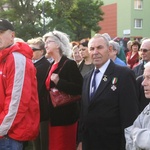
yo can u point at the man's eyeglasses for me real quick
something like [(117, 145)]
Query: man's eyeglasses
[(144, 50), (35, 49)]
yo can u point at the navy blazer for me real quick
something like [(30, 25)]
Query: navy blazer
[(70, 82), (113, 108)]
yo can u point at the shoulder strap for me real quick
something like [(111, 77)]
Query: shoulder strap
[(62, 65)]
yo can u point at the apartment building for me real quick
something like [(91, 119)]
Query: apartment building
[(126, 18)]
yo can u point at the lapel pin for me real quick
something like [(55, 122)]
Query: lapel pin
[(105, 78)]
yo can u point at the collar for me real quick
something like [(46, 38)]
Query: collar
[(34, 61), (104, 67)]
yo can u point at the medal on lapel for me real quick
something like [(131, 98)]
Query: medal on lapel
[(104, 78), (114, 81)]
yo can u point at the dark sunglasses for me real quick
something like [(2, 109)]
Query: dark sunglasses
[(144, 50), (35, 49)]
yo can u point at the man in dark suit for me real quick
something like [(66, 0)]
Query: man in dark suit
[(114, 105), (145, 57), (138, 70), (143, 101), (42, 66)]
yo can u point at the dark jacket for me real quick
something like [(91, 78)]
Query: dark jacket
[(42, 67), (143, 101), (139, 69), (113, 108), (71, 83)]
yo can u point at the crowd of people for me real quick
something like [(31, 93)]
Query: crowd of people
[(114, 86)]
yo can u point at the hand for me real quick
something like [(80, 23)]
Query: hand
[(55, 78), (79, 146)]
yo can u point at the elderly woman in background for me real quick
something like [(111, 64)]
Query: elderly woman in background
[(63, 119)]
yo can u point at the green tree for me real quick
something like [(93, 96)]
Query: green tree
[(26, 17), (77, 18), (59, 13), (33, 18)]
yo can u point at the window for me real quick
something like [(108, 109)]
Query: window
[(138, 23), (138, 4)]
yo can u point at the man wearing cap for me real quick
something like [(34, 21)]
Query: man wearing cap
[(19, 107)]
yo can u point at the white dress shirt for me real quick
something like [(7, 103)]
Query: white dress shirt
[(99, 75)]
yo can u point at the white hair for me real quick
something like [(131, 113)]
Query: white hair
[(98, 35), (107, 36), (115, 46), (146, 40), (62, 39)]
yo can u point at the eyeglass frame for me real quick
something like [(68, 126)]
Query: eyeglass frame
[(48, 42), (144, 50)]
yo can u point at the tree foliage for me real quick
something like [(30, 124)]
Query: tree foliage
[(85, 17), (33, 18)]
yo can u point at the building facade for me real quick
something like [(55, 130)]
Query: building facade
[(126, 18)]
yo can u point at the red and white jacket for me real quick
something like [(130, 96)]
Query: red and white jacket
[(19, 106)]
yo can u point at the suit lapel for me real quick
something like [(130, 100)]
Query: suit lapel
[(87, 89), (106, 79)]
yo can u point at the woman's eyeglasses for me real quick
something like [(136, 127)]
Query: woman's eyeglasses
[(144, 50), (48, 42)]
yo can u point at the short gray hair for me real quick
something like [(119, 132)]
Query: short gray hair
[(62, 39), (100, 36), (115, 46)]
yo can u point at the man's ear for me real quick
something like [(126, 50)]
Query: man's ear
[(116, 52), (13, 34), (110, 48)]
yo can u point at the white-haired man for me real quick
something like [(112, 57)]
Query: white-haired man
[(145, 54), (138, 135), (107, 107)]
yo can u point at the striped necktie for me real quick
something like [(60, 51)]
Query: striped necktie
[(94, 83)]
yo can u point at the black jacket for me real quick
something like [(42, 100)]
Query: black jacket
[(70, 82), (143, 101), (113, 108), (139, 69), (42, 67)]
